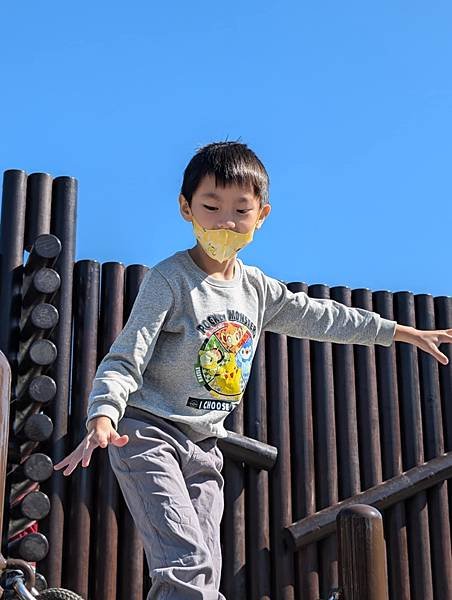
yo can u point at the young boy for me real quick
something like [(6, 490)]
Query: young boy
[(182, 362)]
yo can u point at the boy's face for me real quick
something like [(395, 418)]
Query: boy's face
[(231, 207)]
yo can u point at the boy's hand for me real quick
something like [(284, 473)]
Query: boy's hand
[(101, 433), (425, 340)]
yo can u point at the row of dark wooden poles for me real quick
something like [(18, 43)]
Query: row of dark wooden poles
[(343, 418)]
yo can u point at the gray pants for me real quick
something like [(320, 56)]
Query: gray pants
[(174, 491)]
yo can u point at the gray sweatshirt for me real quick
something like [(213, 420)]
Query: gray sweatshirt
[(186, 350)]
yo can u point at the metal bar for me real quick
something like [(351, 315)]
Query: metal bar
[(361, 549), (257, 534), (107, 492), (302, 456), (325, 430), (39, 205), (63, 226), (383, 495), (395, 516), (86, 317)]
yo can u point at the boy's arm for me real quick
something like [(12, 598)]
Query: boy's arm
[(323, 320), (121, 370), (298, 315)]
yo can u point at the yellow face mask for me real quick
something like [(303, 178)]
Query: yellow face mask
[(221, 244)]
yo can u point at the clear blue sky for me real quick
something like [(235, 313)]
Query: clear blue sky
[(349, 106)]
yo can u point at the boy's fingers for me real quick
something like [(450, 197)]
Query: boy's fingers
[(120, 440), (86, 458), (61, 464), (440, 357)]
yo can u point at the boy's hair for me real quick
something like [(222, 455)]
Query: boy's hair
[(230, 163)]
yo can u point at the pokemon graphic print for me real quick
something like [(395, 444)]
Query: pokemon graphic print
[(186, 351), (224, 359)]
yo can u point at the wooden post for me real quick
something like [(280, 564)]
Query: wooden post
[(361, 550)]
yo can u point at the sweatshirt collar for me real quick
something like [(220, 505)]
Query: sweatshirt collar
[(223, 283)]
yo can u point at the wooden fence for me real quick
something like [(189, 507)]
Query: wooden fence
[(343, 418)]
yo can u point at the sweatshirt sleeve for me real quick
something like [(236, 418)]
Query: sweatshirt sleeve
[(323, 320), (121, 370)]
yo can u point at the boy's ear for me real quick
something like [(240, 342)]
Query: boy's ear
[(185, 209), (265, 211)]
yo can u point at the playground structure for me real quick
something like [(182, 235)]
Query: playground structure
[(323, 430)]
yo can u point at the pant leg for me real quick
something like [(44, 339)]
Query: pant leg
[(205, 485), (149, 472)]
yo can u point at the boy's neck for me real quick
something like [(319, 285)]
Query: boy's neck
[(224, 271)]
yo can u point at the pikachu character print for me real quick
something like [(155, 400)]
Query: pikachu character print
[(224, 361)]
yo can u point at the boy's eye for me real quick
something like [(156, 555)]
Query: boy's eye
[(242, 211)]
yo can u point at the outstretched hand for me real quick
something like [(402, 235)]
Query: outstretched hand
[(101, 434), (427, 340)]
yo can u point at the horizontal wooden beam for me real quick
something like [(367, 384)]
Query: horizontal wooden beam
[(385, 494), (245, 449)]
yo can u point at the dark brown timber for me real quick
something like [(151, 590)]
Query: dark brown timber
[(107, 491), (39, 207), (395, 517), (302, 456), (257, 533), (63, 226), (413, 452), (325, 434), (86, 315), (383, 495), (439, 518), (130, 548), (361, 549)]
